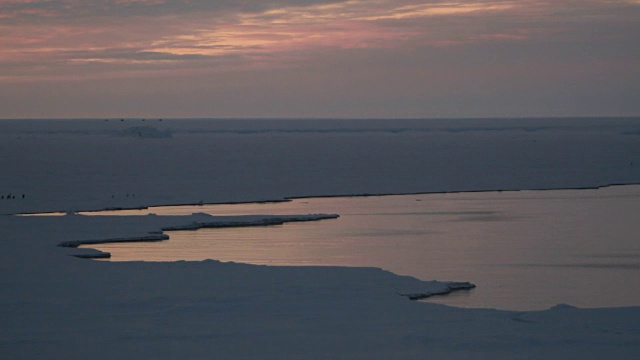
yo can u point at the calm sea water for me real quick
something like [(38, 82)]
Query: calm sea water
[(524, 250)]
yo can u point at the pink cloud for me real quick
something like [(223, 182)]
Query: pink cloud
[(277, 35)]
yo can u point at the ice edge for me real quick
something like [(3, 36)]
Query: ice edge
[(160, 236), (449, 288)]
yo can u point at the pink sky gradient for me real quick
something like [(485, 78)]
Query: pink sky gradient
[(308, 58)]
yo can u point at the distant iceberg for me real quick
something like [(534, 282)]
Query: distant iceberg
[(147, 132)]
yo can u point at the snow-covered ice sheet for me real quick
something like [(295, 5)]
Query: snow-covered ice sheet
[(67, 165), (58, 306)]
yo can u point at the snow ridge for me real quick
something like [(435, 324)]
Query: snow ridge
[(239, 221)]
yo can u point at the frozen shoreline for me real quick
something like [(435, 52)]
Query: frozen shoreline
[(202, 221), (287, 199), (81, 308), (435, 288)]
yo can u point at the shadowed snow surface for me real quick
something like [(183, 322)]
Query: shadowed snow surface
[(57, 306)]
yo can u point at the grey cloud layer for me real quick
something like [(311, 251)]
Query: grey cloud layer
[(122, 8), (348, 58)]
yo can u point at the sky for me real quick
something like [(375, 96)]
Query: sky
[(319, 58)]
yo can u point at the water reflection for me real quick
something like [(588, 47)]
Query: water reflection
[(524, 250)]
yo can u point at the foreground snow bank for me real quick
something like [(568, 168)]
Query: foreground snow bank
[(57, 306)]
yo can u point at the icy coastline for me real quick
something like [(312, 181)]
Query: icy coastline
[(201, 220), (78, 308), (56, 305)]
